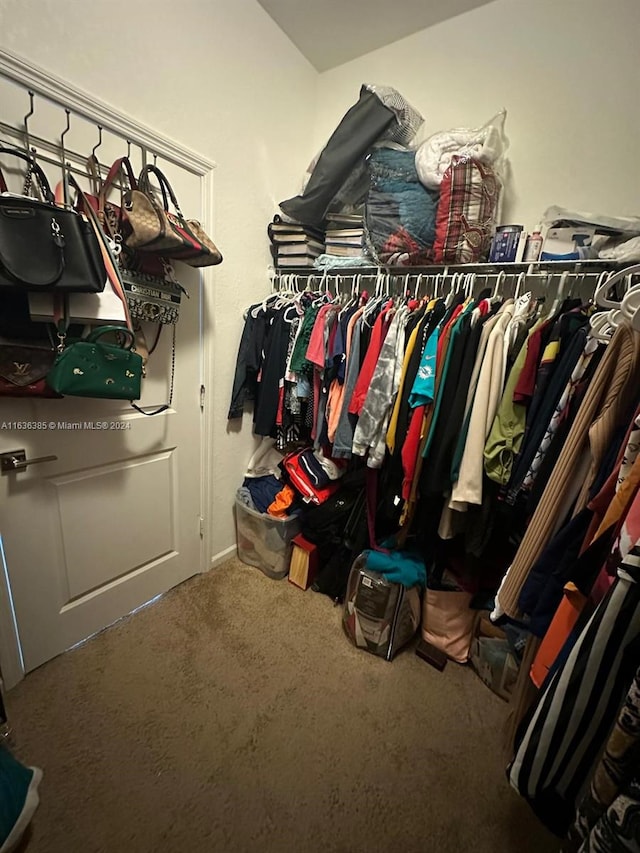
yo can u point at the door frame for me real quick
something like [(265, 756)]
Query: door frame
[(33, 78)]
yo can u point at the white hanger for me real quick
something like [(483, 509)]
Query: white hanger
[(436, 286), (499, 281), (601, 329), (560, 294), (631, 301), (519, 284), (355, 284), (469, 284), (452, 289), (604, 285), (416, 289)]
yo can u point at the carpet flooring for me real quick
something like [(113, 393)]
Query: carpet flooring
[(233, 715)]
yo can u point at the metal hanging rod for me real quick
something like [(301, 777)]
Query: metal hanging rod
[(582, 281), (586, 266)]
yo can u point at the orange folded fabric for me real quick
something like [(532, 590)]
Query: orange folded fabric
[(283, 500)]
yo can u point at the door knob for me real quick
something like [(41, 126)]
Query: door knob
[(16, 460)]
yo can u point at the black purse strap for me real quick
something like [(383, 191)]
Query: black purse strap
[(165, 187), (167, 405), (33, 169)]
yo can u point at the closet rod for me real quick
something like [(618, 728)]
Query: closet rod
[(587, 266), (399, 278)]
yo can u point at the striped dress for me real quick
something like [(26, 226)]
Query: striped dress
[(559, 744)]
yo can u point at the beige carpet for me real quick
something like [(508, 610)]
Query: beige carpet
[(233, 715)]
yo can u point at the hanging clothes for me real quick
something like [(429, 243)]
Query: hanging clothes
[(506, 434), (370, 433), (558, 746), (468, 488), (609, 815), (607, 401)]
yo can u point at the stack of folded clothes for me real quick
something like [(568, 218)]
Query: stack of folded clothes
[(313, 475)]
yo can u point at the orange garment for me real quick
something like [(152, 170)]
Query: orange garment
[(335, 399), (283, 500), (561, 626), (573, 602)]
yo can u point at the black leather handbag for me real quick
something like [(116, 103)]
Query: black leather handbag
[(44, 247)]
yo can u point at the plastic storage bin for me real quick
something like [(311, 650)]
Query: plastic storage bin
[(265, 541)]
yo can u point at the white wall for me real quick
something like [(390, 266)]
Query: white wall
[(568, 74), (211, 74)]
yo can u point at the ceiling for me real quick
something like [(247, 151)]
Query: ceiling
[(330, 32)]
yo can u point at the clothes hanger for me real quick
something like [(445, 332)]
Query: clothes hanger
[(600, 328), (373, 303), (604, 285), (285, 292), (500, 278), (557, 302), (469, 284), (519, 285), (436, 286), (452, 290), (322, 295), (631, 301), (416, 289)]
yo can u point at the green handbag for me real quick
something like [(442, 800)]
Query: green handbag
[(92, 368)]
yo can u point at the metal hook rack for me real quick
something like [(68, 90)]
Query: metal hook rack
[(98, 143), (56, 153), (26, 119)]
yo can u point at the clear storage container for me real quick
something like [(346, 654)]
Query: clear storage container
[(265, 541)]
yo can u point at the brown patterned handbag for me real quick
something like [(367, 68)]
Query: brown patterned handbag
[(151, 229), (157, 229)]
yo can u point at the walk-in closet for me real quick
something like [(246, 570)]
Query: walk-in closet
[(319, 421)]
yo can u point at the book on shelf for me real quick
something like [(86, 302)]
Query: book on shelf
[(287, 232), (345, 251), (300, 254), (299, 248), (295, 260), (344, 234)]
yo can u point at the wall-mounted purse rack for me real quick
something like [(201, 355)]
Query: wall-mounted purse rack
[(39, 87)]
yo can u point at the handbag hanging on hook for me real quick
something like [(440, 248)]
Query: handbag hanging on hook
[(157, 229), (127, 366), (44, 247), (152, 291)]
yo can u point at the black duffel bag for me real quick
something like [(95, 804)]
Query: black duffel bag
[(44, 247)]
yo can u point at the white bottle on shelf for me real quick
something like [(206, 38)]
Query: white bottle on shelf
[(533, 247)]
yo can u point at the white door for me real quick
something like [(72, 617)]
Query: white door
[(115, 520)]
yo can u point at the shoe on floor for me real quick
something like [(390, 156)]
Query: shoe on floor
[(18, 799)]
